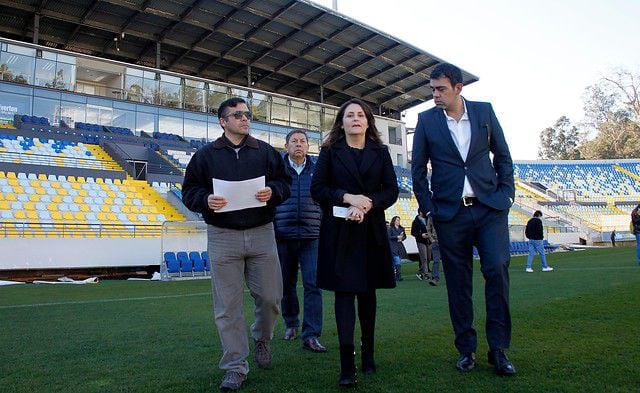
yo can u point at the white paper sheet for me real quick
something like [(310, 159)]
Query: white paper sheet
[(239, 194)]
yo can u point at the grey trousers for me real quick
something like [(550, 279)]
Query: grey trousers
[(423, 253), (237, 256)]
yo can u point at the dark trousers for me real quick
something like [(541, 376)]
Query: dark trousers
[(346, 317), (304, 253), (487, 230)]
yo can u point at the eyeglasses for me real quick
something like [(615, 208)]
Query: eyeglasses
[(238, 115)]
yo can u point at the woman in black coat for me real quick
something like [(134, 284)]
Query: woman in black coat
[(354, 171), (396, 236)]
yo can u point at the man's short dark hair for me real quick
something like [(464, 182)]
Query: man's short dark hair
[(537, 213), (296, 132), (447, 70), (230, 103)]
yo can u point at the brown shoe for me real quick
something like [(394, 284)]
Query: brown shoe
[(312, 344), (291, 333), (262, 353), (232, 381)]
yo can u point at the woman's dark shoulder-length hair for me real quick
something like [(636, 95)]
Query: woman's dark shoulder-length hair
[(337, 132)]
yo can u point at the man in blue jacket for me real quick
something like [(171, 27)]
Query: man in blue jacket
[(297, 226), (241, 243), (468, 196)]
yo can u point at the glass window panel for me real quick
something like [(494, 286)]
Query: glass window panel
[(14, 104), (314, 117), (194, 98), (195, 129), (101, 115), (328, 119), (261, 107), (72, 113), (45, 73), (21, 50), (17, 68), (170, 94), (49, 55), (133, 87), (278, 140), (214, 129), (150, 90), (260, 133), (124, 118), (46, 107), (279, 111), (65, 76), (66, 59), (170, 125), (242, 93), (298, 115), (314, 142), (145, 122), (215, 96)]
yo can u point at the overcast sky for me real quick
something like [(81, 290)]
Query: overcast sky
[(534, 58)]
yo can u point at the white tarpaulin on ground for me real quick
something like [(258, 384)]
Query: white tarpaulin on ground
[(10, 282), (67, 280)]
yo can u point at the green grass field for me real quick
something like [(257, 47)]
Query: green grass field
[(575, 329)]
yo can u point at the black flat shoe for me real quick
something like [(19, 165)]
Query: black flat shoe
[(502, 364), (348, 381), (466, 363)]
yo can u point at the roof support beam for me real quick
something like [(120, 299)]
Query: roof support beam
[(83, 19)]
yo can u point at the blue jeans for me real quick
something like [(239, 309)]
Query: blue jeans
[(305, 254), (638, 247), (536, 246), (435, 269), (396, 260)]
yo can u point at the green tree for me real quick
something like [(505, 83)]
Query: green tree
[(561, 141), (612, 115)]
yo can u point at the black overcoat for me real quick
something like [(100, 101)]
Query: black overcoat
[(354, 257)]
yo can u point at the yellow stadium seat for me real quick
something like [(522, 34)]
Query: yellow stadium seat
[(126, 209), (4, 205), (100, 180), (85, 208), (56, 198), (32, 215), (108, 201), (34, 198), (78, 199), (20, 214), (67, 216), (105, 208), (102, 216), (55, 184), (71, 179), (52, 207), (40, 191), (42, 177), (28, 206), (80, 179), (10, 197), (79, 216), (11, 175), (83, 193)]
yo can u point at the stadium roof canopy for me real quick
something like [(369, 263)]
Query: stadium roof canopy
[(292, 47)]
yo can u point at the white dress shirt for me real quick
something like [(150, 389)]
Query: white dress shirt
[(461, 134)]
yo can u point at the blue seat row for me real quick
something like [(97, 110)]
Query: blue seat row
[(182, 263), (35, 120), (89, 127)]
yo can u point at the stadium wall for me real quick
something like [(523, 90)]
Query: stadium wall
[(67, 253)]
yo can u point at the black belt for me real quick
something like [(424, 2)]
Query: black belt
[(469, 201)]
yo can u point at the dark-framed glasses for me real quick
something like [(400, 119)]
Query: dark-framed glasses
[(238, 115)]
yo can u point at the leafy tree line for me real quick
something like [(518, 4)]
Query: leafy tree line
[(610, 128)]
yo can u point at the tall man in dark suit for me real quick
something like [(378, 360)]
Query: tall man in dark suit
[(469, 197)]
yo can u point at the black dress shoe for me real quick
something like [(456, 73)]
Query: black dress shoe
[(466, 363), (312, 344), (348, 381), (290, 333), (503, 365)]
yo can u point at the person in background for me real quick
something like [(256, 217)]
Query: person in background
[(419, 232), (435, 252), (396, 237), (241, 243), (354, 172), (297, 226), (613, 238), (635, 224), (535, 233)]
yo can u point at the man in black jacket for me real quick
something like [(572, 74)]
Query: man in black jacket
[(297, 226), (241, 243), (535, 234), (419, 232)]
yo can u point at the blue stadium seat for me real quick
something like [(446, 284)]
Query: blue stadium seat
[(205, 258), (172, 263), (198, 263), (185, 263)]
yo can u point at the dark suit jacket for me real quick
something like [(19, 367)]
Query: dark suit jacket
[(492, 181), (354, 257)]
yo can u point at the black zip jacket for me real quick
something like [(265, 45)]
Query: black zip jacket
[(219, 160)]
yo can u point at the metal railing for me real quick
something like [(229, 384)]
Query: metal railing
[(48, 160), (77, 230)]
